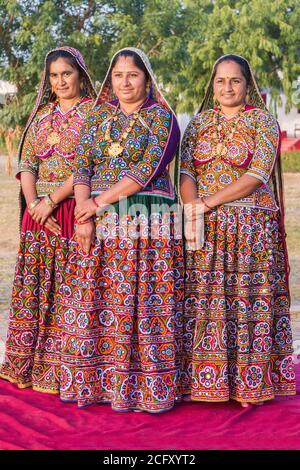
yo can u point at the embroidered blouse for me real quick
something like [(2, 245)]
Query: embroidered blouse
[(149, 148), (251, 151), (53, 164)]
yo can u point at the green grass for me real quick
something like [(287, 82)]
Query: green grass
[(291, 161)]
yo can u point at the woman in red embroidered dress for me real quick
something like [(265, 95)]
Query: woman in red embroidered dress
[(237, 336), (46, 157)]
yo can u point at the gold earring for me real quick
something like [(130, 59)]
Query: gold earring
[(52, 95), (148, 86), (82, 88)]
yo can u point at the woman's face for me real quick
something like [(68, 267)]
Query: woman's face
[(128, 81), (230, 86), (64, 79)]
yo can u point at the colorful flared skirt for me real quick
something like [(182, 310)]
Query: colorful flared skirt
[(237, 328), (121, 308), (33, 345)]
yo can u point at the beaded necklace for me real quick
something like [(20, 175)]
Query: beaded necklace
[(116, 148), (220, 144), (54, 137)]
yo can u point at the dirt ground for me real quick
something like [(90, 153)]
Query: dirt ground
[(9, 217)]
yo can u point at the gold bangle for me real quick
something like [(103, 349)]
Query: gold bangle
[(49, 201), (33, 203)]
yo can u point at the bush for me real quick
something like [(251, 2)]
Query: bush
[(2, 145), (3, 149)]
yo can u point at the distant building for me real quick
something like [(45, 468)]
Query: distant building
[(7, 90), (289, 122)]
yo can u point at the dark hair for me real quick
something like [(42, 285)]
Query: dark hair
[(245, 69), (53, 56), (136, 60)]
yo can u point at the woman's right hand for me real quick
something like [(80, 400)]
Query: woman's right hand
[(194, 209), (41, 212), (194, 224), (190, 234), (50, 223), (85, 235)]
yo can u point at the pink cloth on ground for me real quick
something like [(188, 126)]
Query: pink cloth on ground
[(34, 420)]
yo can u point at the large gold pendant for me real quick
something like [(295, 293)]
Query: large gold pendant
[(224, 151), (53, 138), (115, 149), (219, 149)]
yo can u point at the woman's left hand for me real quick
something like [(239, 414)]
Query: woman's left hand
[(194, 208), (41, 212), (85, 235), (85, 210)]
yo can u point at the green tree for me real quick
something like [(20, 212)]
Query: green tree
[(264, 32), (159, 28), (31, 30), (182, 37)]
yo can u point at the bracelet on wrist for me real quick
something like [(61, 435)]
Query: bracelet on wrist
[(95, 202), (33, 203), (49, 201), (205, 203), (85, 222)]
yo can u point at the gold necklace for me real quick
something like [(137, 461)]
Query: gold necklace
[(115, 148), (54, 137), (219, 144)]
